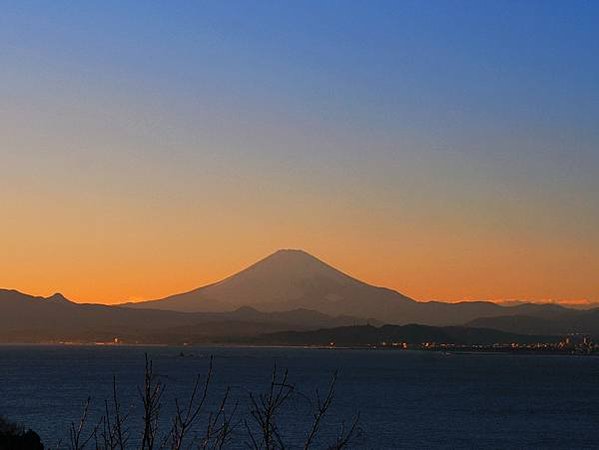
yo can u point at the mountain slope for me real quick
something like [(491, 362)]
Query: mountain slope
[(287, 279), (291, 279)]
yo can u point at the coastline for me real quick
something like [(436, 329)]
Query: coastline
[(466, 350)]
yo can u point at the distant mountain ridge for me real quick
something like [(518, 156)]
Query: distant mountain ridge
[(27, 318)]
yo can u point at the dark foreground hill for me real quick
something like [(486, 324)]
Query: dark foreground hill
[(409, 334)]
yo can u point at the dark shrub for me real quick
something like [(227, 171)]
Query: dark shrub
[(15, 437)]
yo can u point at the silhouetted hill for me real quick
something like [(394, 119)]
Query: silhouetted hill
[(292, 279), (411, 334), (25, 318)]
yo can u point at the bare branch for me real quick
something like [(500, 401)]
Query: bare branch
[(151, 397), (321, 410), (76, 440), (345, 437), (184, 421)]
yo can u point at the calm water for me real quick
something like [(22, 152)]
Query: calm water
[(405, 399)]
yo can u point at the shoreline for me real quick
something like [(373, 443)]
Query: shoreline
[(466, 350)]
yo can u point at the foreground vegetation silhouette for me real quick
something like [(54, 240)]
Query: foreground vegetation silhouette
[(194, 425), (16, 437)]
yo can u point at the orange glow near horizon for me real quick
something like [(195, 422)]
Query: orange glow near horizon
[(139, 270), (109, 244)]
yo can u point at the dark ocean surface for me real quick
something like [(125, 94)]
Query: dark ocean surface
[(405, 399)]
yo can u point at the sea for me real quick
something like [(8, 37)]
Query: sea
[(402, 399)]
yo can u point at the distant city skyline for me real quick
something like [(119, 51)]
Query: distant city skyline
[(448, 153)]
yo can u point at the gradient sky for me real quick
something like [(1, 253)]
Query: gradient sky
[(447, 149)]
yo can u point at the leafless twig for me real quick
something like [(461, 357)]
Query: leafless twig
[(264, 410), (76, 439), (151, 397)]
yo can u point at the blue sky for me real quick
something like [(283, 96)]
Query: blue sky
[(467, 117)]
